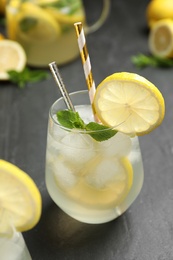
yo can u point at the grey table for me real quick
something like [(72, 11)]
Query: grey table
[(145, 231)]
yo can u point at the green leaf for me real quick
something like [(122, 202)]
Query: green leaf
[(101, 132), (26, 76), (28, 23), (71, 119), (68, 7), (2, 21), (142, 61)]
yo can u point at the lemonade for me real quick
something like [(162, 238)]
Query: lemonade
[(94, 182), (14, 248), (94, 167), (45, 29)]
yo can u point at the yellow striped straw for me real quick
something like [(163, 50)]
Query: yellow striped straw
[(86, 63)]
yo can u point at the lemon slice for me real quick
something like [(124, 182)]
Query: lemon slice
[(20, 200), (65, 18), (36, 25), (11, 13), (129, 103), (161, 38), (12, 57), (45, 2), (70, 14), (102, 190)]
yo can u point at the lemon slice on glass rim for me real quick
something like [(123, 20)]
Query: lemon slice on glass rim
[(12, 57), (129, 103), (20, 200)]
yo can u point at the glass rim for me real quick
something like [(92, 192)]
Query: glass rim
[(75, 130)]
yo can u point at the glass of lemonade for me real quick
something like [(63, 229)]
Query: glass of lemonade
[(92, 181), (14, 248), (45, 28)]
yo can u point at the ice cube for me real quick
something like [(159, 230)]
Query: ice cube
[(85, 112), (56, 131), (77, 148), (105, 172), (64, 174), (119, 145), (13, 248), (135, 154)]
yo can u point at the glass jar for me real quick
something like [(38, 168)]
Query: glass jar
[(45, 28)]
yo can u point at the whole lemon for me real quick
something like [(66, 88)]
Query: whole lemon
[(159, 9)]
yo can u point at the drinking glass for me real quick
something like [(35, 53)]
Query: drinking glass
[(81, 173), (45, 29), (14, 247)]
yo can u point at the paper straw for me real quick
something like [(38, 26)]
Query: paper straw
[(60, 83), (86, 62)]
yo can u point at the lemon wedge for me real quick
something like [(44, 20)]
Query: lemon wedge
[(20, 199), (12, 57), (35, 24), (129, 103), (161, 38)]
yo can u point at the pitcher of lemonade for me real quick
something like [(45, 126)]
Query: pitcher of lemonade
[(45, 28)]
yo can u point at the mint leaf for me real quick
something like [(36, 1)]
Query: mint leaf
[(68, 7), (104, 132), (25, 76), (2, 21), (71, 119), (142, 61), (28, 23)]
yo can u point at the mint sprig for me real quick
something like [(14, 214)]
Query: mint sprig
[(71, 119), (26, 76), (142, 61)]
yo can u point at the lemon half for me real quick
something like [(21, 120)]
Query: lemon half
[(161, 38), (12, 57), (129, 103), (20, 199)]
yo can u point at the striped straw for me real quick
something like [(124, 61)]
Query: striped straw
[(86, 63)]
